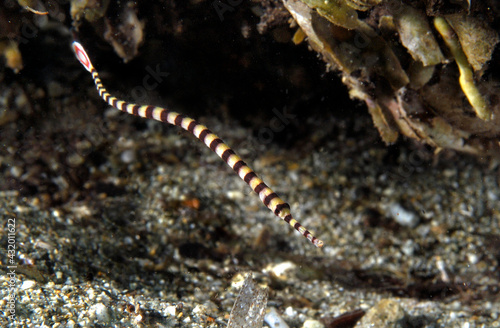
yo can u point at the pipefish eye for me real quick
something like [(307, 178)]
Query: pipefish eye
[(270, 199)]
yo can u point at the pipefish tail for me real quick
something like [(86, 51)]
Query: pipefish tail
[(270, 199)]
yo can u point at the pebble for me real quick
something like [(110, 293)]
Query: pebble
[(28, 284), (16, 171), (170, 310), (408, 248), (402, 216), (274, 319), (99, 312), (128, 156), (312, 324), (282, 270), (387, 313)]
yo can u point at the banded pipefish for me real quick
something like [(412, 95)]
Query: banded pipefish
[(270, 199)]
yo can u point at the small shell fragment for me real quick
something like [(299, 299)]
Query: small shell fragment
[(249, 308)]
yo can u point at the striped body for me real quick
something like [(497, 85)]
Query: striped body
[(212, 141)]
